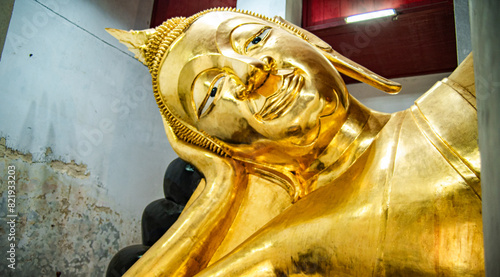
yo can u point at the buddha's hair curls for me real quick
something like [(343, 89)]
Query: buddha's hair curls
[(156, 50)]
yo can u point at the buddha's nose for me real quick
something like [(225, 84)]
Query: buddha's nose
[(260, 73), (259, 76), (267, 79)]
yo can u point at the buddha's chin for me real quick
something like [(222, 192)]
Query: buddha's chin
[(297, 136), (330, 105)]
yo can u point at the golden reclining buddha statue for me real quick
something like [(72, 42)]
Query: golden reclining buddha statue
[(300, 179)]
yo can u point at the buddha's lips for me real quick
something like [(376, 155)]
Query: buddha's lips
[(282, 100)]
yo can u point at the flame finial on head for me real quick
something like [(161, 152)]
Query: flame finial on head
[(145, 43)]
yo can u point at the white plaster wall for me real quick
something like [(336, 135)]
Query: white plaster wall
[(269, 8), (68, 85), (290, 10), (72, 96), (412, 89)]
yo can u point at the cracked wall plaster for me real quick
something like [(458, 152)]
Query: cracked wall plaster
[(71, 169), (65, 223)]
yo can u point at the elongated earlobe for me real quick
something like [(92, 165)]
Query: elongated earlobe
[(361, 73)]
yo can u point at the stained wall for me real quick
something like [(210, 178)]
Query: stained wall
[(80, 128), (486, 46)]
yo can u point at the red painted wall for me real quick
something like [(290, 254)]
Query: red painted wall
[(165, 9), (420, 40), (322, 11)]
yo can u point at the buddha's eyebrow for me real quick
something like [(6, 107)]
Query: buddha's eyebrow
[(223, 36)]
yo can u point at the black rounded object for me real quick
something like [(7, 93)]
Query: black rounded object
[(124, 259), (157, 217), (180, 181)]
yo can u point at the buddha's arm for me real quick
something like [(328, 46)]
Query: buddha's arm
[(188, 245)]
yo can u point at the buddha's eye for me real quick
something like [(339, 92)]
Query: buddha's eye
[(258, 38), (212, 92)]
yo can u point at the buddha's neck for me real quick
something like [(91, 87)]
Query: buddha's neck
[(360, 129)]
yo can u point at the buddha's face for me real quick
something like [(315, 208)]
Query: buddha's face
[(250, 83)]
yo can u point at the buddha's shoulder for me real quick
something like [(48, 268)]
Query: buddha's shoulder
[(447, 116), (437, 139)]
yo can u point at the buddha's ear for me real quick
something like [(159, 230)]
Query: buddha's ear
[(135, 41), (347, 66)]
